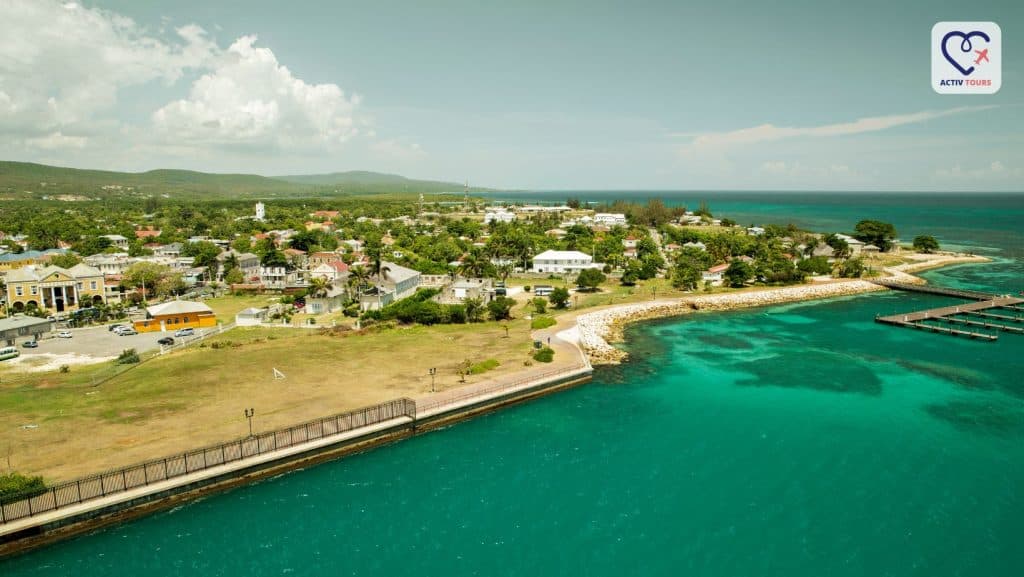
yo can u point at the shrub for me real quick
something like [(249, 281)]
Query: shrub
[(127, 357), (590, 278), (484, 366), (526, 288), (65, 369), (501, 308), (544, 355), (17, 486), (542, 323), (559, 297), (540, 304)]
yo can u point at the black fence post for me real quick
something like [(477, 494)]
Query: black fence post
[(53, 491), (79, 484)]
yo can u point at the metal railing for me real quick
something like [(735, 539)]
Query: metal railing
[(198, 337), (157, 470), (465, 393)]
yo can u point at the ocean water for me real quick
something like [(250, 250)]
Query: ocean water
[(801, 439)]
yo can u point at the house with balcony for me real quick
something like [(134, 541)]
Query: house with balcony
[(563, 261)]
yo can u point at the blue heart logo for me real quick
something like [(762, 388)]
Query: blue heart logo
[(965, 46)]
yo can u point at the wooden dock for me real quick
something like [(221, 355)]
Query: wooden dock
[(935, 290), (924, 320)]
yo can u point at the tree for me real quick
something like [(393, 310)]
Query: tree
[(876, 232), (690, 264), (851, 268), (632, 273), (357, 278), (66, 260), (817, 265), (305, 240), (170, 284), (500, 308), (91, 245), (234, 276), (590, 279), (540, 305), (274, 258), (144, 275), (738, 273), (318, 286), (559, 297), (474, 309), (926, 244), (204, 252)]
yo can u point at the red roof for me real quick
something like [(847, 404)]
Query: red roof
[(147, 233), (718, 268), (338, 266)]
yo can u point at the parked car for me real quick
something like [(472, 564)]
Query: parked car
[(64, 335), (30, 345), (127, 331), (116, 327), (123, 328), (166, 341), (185, 332)]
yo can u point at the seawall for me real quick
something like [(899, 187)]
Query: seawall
[(31, 532)]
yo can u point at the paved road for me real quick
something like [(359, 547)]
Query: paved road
[(96, 342)]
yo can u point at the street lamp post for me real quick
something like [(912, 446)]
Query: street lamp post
[(248, 415), (433, 371)]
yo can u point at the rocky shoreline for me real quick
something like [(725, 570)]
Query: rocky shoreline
[(597, 330)]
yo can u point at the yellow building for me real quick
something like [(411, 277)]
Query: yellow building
[(15, 260), (55, 289), (176, 315)]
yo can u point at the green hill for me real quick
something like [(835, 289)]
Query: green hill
[(364, 181), (24, 180)]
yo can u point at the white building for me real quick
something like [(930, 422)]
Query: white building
[(755, 231), (855, 245), (261, 211), (116, 240), (610, 219), (498, 215), (563, 261)]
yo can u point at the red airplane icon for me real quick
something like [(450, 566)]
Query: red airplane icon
[(982, 55)]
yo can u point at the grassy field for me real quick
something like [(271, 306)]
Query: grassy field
[(197, 396), (226, 307)]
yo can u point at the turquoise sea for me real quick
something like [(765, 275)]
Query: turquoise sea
[(801, 439)]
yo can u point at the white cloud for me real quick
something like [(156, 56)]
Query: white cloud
[(398, 149), (778, 168), (995, 171), (57, 141), (61, 65), (250, 99), (770, 132)]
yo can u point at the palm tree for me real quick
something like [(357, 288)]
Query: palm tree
[(318, 286), (357, 277), (504, 270), (472, 265)]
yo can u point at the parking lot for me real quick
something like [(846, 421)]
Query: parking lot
[(97, 342)]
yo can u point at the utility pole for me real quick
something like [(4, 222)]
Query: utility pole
[(433, 371), (248, 415)]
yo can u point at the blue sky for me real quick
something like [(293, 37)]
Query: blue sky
[(545, 95)]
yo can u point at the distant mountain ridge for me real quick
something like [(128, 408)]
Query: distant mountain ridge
[(31, 180)]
